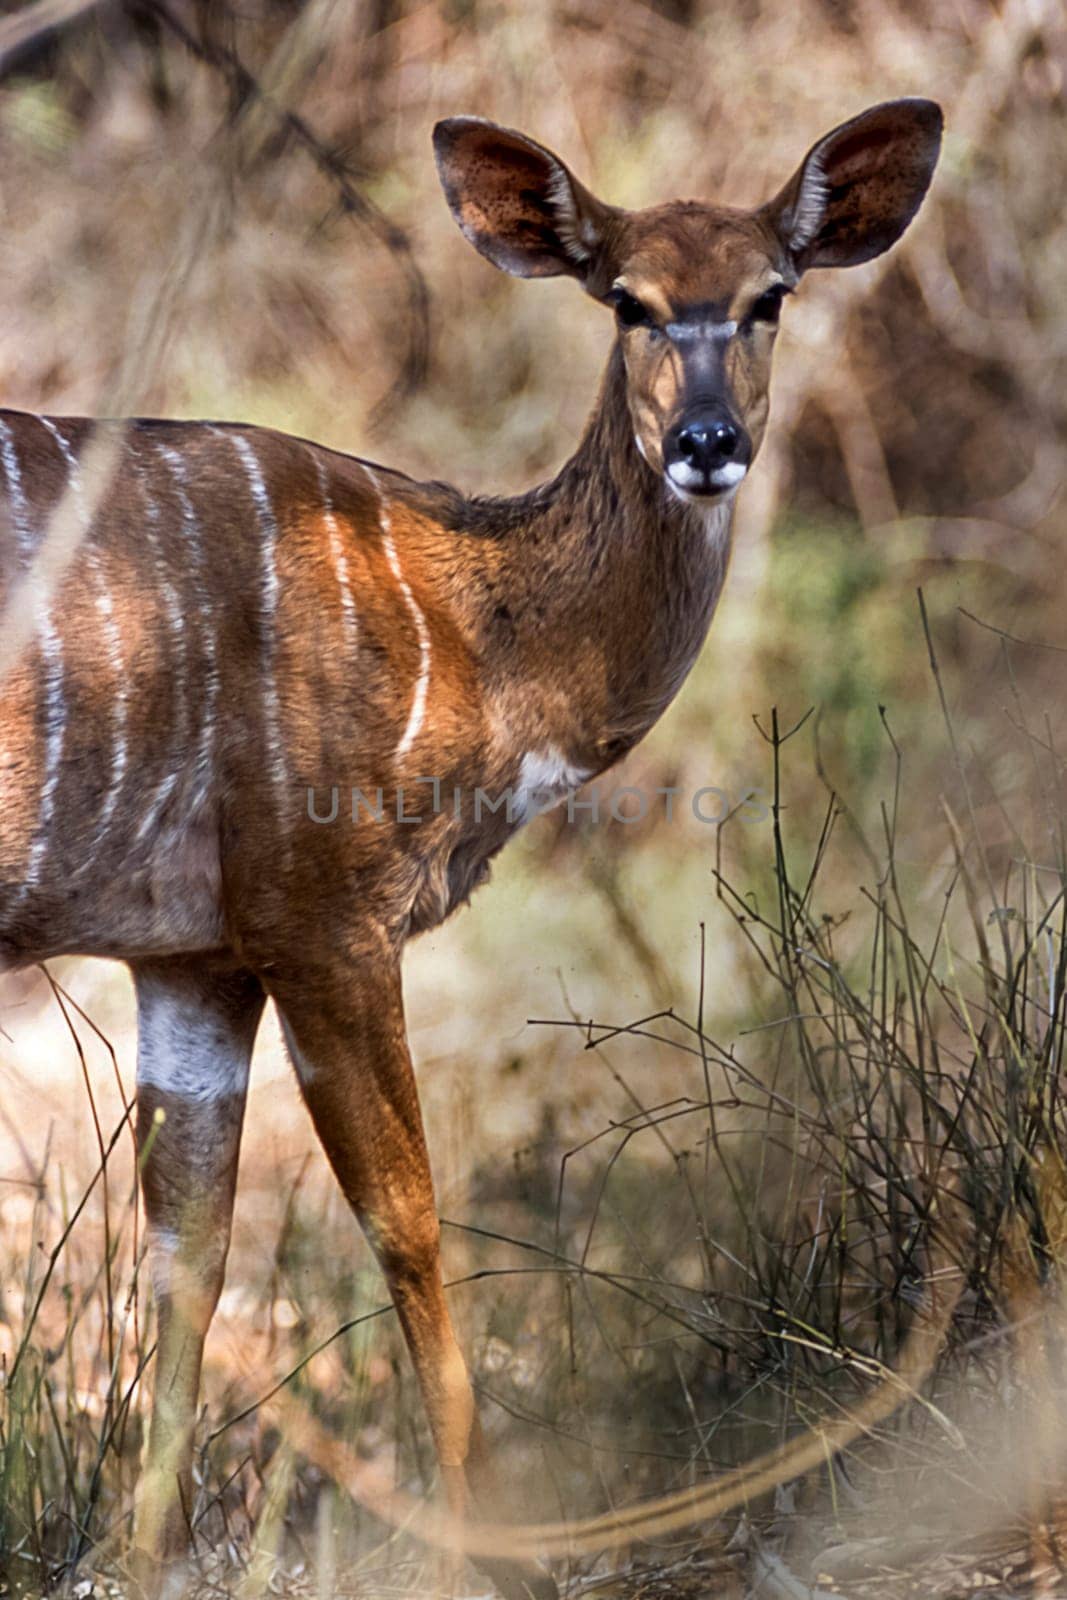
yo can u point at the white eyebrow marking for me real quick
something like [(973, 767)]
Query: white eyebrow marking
[(120, 751), (55, 708), (191, 531), (700, 330), (269, 596), (418, 704), (340, 561)]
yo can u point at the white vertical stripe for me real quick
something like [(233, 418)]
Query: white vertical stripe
[(120, 761), (120, 750), (340, 562), (191, 535), (55, 706), (422, 683), (20, 511), (176, 624), (268, 528)]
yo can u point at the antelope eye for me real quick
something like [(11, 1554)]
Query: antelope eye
[(769, 304), (629, 310)]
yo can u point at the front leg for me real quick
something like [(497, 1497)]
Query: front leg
[(345, 1031)]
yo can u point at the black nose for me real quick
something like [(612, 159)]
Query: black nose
[(707, 451), (708, 445)]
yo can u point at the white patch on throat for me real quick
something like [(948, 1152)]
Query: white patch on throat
[(717, 522), (714, 517), (545, 776)]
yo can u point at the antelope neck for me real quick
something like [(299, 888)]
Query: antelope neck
[(594, 591)]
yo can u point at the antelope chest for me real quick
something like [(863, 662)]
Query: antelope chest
[(546, 775), (452, 858)]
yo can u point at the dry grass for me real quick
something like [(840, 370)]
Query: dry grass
[(678, 1242)]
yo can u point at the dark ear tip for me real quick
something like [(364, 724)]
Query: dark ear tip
[(932, 114), (445, 134), (448, 134), (927, 113), (449, 129)]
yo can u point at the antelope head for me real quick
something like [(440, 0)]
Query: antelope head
[(696, 288)]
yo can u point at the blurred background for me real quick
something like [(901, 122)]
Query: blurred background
[(695, 1094)]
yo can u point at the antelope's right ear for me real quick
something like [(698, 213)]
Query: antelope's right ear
[(517, 203)]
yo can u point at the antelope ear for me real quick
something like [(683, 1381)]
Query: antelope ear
[(857, 189), (516, 202)]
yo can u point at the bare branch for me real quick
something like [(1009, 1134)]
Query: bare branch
[(249, 90), (27, 32)]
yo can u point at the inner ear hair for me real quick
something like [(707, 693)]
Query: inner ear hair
[(859, 186), (577, 236), (517, 202), (809, 209)]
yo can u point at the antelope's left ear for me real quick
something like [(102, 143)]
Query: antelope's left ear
[(857, 189), (517, 203)]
